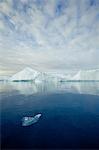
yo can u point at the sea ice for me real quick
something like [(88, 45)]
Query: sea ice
[(26, 121)]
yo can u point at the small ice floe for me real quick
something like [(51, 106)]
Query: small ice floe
[(27, 121)]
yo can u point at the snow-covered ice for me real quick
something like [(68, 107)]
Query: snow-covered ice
[(39, 77), (87, 75), (27, 121), (25, 75)]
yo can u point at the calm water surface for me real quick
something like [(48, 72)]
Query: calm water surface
[(70, 115)]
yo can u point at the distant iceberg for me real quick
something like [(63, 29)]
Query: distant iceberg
[(87, 75), (29, 74), (25, 75), (27, 121)]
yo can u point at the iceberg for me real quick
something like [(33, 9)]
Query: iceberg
[(87, 75), (82, 75), (29, 74), (46, 77), (27, 121), (25, 75)]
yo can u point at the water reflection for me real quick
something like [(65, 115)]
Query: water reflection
[(29, 88)]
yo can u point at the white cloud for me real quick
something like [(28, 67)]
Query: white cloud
[(49, 34)]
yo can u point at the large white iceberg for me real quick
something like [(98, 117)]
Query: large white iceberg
[(38, 77), (87, 75), (25, 75), (48, 77)]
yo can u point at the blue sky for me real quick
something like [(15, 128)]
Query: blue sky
[(49, 35)]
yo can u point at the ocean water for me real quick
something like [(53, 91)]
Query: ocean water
[(69, 115)]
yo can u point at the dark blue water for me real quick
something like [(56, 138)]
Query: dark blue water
[(69, 120)]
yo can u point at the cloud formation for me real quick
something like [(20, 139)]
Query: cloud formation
[(49, 35)]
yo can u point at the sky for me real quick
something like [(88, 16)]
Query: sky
[(49, 35)]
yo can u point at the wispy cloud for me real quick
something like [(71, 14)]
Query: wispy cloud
[(49, 34)]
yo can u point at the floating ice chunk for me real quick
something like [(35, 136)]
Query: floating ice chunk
[(26, 121)]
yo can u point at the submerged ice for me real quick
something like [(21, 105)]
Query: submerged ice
[(27, 121)]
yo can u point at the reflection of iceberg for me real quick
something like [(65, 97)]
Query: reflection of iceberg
[(30, 88), (80, 87), (26, 121), (25, 88)]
